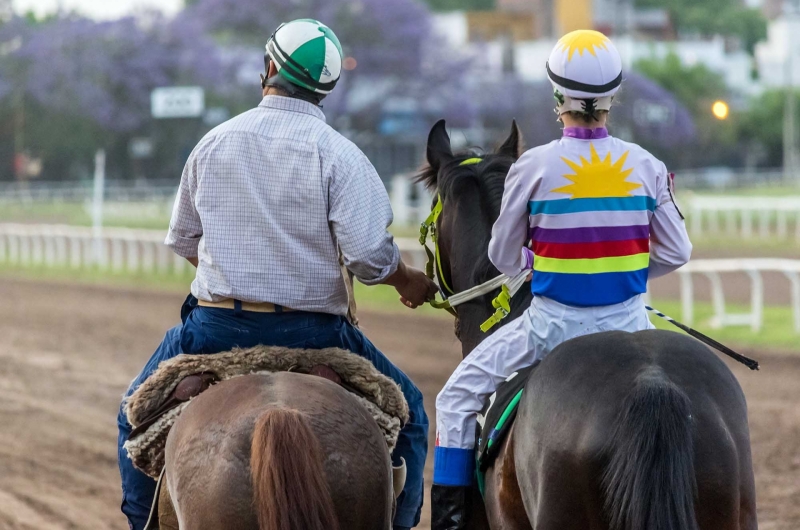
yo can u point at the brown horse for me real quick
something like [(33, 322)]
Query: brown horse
[(281, 451), (615, 431)]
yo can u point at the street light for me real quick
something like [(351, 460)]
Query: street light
[(720, 110)]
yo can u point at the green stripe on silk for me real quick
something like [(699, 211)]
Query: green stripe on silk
[(631, 263)]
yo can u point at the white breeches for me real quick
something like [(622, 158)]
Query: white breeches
[(543, 326)]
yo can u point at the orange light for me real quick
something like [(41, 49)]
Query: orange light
[(720, 110), (349, 63)]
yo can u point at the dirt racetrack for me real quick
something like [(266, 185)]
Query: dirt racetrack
[(68, 352)]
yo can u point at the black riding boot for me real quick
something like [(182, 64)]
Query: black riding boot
[(449, 507)]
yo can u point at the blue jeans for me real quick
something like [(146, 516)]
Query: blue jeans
[(212, 330)]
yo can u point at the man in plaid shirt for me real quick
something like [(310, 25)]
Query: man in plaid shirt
[(268, 202)]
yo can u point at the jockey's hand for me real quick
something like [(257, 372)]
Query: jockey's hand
[(413, 286)]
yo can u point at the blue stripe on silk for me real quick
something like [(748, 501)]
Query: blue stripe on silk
[(589, 290), (603, 204), (453, 467)]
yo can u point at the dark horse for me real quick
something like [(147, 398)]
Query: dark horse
[(281, 451), (615, 431)]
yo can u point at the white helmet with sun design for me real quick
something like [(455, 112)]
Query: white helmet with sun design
[(584, 67)]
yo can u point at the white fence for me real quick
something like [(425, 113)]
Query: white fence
[(738, 216), (712, 268), (121, 249), (117, 249), (71, 191)]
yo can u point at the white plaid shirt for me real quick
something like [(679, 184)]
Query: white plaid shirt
[(267, 199)]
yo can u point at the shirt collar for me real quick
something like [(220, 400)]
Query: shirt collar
[(582, 133), (292, 105)]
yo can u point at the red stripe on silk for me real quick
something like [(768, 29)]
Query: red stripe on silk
[(603, 249)]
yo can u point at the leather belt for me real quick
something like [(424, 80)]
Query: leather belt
[(255, 307)]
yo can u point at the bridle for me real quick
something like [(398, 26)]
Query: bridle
[(509, 286)]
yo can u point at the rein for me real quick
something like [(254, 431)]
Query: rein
[(509, 286)]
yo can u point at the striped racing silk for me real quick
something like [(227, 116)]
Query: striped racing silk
[(589, 218)]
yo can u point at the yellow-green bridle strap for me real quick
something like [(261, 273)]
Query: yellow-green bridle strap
[(429, 226), (503, 301)]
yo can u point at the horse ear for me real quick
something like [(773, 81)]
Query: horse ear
[(514, 144), (439, 150)]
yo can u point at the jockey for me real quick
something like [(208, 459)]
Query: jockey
[(602, 219), (268, 202)]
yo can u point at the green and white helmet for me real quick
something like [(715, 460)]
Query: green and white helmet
[(308, 54)]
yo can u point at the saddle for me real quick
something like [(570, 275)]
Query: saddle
[(195, 384), (497, 417), (158, 402)]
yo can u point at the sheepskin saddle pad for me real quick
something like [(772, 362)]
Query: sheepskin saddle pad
[(380, 395)]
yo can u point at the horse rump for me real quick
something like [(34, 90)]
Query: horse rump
[(650, 478), (289, 487)]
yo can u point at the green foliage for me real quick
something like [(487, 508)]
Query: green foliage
[(714, 17), (763, 124), (452, 5), (690, 84), (697, 87), (747, 24)]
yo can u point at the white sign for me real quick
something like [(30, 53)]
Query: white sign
[(141, 147), (650, 113), (178, 102)]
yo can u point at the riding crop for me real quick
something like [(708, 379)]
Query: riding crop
[(750, 363)]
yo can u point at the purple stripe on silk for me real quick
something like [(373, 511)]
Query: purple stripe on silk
[(594, 234), (582, 133), (528, 253)]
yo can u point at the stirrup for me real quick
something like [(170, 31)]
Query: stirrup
[(399, 474)]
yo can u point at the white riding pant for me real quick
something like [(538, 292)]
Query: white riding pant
[(518, 344)]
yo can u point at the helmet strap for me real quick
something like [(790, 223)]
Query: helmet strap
[(587, 106), (292, 90)]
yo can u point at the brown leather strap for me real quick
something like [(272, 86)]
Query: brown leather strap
[(253, 307), (347, 276), (188, 388)]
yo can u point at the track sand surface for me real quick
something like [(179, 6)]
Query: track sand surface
[(67, 353)]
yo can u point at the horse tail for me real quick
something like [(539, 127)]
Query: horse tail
[(289, 487), (650, 481)]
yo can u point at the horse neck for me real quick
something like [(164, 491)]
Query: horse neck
[(466, 242), (470, 230)]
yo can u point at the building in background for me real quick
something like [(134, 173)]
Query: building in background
[(778, 58), (501, 44), (553, 18), (6, 10)]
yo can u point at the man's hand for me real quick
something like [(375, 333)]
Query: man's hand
[(414, 287), (193, 261)]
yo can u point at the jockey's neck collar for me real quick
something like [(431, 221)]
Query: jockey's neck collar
[(584, 133)]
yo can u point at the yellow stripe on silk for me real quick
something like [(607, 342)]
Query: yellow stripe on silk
[(631, 263)]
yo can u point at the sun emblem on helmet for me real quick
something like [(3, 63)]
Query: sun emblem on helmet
[(583, 40), (597, 178)]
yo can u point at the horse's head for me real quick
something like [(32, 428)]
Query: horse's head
[(470, 185)]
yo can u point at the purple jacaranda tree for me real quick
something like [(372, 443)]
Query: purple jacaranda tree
[(654, 115), (643, 112), (389, 40), (69, 85), (104, 70), (385, 37)]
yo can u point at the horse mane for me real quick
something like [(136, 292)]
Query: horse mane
[(490, 175)]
